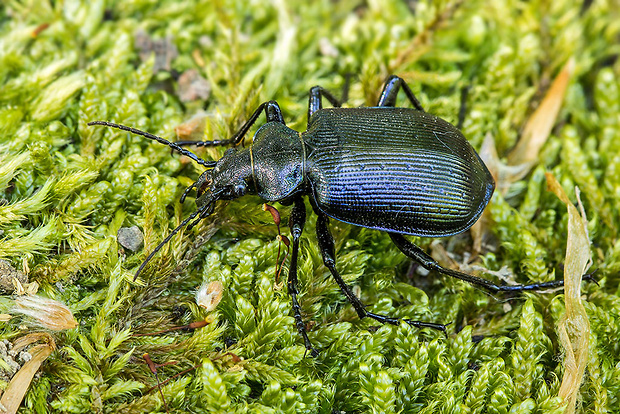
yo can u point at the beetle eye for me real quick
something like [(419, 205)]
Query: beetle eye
[(239, 190), (229, 152)]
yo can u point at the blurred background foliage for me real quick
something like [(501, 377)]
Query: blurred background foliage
[(199, 68)]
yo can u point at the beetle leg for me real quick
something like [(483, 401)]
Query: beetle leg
[(315, 101), (390, 92), (273, 113), (417, 254), (296, 224), (463, 106), (326, 244)]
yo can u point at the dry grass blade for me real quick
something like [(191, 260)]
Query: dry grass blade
[(539, 125), (574, 327), (15, 392)]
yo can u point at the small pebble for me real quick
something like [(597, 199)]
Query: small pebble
[(130, 238)]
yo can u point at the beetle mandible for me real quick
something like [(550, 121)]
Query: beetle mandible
[(398, 170)]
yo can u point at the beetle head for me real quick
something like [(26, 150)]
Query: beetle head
[(227, 180)]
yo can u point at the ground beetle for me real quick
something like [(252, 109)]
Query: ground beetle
[(398, 170)]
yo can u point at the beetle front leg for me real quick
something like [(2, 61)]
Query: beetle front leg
[(296, 224), (273, 113), (326, 244), (390, 91), (417, 254)]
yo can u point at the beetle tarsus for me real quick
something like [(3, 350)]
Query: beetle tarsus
[(437, 326), (589, 277), (273, 113)]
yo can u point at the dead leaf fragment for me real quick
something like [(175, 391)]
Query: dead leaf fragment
[(165, 51), (49, 313), (209, 295), (503, 174), (193, 87), (23, 341), (193, 129)]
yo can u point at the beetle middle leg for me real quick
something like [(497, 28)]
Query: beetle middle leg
[(390, 91), (317, 93), (417, 254), (315, 100), (326, 244), (297, 222)]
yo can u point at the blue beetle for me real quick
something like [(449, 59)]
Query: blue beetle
[(398, 170)]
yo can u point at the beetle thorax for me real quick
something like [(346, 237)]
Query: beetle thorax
[(277, 158)]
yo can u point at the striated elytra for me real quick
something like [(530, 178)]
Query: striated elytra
[(398, 170)]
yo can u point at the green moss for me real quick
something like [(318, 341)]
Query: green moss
[(67, 188)]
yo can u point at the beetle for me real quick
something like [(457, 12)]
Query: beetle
[(398, 170)]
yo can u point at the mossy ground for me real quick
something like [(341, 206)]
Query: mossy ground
[(67, 188)]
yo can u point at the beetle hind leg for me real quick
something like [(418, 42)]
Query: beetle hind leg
[(326, 244), (417, 254)]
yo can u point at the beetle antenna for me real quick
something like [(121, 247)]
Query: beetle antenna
[(181, 150), (192, 216)]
